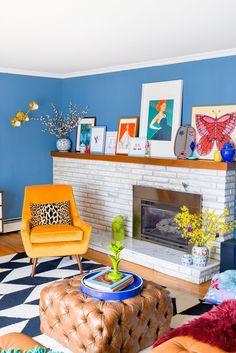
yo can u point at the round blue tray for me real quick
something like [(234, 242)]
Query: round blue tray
[(130, 291)]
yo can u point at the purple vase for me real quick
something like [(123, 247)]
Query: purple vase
[(228, 152)]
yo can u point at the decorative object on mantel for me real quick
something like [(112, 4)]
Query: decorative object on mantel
[(201, 230), (83, 132), (228, 152), (22, 117), (215, 125), (127, 128), (82, 148), (185, 142), (160, 115), (138, 147), (97, 142), (148, 149), (61, 126), (110, 147), (118, 228), (217, 156), (116, 247)]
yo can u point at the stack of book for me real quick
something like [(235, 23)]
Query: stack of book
[(102, 282)]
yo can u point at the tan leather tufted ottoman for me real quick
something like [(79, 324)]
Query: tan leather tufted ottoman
[(84, 324)]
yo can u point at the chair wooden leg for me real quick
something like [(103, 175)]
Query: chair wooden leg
[(79, 263), (34, 266), (30, 260)]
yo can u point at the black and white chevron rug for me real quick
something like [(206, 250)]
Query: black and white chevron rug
[(19, 294)]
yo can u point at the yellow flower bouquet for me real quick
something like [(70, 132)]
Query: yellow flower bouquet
[(202, 229)]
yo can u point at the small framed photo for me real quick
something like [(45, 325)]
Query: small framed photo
[(137, 147), (97, 141), (83, 132), (127, 128), (110, 147)]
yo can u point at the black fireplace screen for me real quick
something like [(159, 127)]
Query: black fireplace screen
[(159, 223)]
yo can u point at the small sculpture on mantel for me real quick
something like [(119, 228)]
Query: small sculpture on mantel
[(148, 149), (185, 143)]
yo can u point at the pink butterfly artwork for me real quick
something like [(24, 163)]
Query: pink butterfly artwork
[(214, 130)]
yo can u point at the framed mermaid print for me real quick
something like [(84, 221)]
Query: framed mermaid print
[(161, 115), (214, 125)]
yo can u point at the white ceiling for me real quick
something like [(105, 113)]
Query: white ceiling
[(63, 38)]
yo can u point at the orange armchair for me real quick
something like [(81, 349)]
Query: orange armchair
[(186, 344), (56, 239)]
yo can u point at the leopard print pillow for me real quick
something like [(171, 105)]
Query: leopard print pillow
[(50, 213)]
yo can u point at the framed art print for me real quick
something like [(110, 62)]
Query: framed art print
[(83, 132), (97, 141), (215, 125), (127, 128), (161, 115), (137, 147), (110, 146)]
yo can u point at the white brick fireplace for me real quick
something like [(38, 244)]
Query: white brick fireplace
[(104, 189)]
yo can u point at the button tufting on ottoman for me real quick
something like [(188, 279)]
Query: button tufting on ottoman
[(85, 324)]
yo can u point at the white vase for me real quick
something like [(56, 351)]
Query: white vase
[(63, 144), (200, 256)]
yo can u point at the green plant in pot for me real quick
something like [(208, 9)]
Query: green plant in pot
[(116, 247)]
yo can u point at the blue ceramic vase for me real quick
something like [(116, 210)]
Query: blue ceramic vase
[(228, 152), (187, 260)]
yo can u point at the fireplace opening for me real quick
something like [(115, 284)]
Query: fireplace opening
[(154, 211)]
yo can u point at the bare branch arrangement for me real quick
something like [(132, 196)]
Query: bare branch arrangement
[(61, 126)]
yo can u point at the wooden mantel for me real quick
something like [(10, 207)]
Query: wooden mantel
[(170, 162)]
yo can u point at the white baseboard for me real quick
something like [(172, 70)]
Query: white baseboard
[(11, 225)]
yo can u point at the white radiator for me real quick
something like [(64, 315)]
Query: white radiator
[(11, 225)]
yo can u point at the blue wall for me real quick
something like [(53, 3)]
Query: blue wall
[(24, 152), (112, 95)]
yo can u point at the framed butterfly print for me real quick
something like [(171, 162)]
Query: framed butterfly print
[(215, 125)]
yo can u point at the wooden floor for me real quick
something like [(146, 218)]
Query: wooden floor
[(11, 243)]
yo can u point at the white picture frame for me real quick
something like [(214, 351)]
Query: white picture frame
[(137, 147), (160, 117), (110, 146), (97, 141)]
